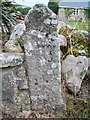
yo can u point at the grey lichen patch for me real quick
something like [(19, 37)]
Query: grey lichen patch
[(49, 72), (42, 61), (54, 65)]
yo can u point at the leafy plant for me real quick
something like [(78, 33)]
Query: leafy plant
[(87, 12), (78, 108), (69, 105), (53, 6), (68, 12), (77, 42), (83, 72), (24, 11), (7, 20)]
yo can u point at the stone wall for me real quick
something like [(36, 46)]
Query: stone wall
[(31, 77), (15, 91)]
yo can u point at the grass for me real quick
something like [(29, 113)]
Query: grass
[(79, 25)]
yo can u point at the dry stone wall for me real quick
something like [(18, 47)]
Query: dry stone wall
[(15, 91), (32, 80)]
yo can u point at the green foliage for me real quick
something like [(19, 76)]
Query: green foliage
[(8, 21), (83, 72), (69, 105), (77, 38), (81, 47), (77, 41), (87, 13), (53, 6), (65, 31), (87, 16), (79, 25), (78, 108), (68, 12), (24, 11)]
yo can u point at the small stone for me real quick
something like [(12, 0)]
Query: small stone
[(12, 46), (18, 31), (62, 40)]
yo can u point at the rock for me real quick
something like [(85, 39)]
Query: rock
[(89, 61), (11, 59), (82, 52), (0, 39), (42, 51), (62, 40), (43, 62), (18, 31), (83, 32), (74, 70), (12, 46), (15, 94), (8, 103), (42, 19), (0, 46)]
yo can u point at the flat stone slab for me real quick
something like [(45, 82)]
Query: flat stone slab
[(11, 59)]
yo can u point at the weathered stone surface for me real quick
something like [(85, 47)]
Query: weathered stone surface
[(62, 40), (21, 72), (15, 93), (15, 42), (41, 18), (42, 52), (0, 93), (74, 69), (83, 32), (8, 102), (22, 82), (12, 46), (11, 59), (44, 71), (18, 31), (7, 85)]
